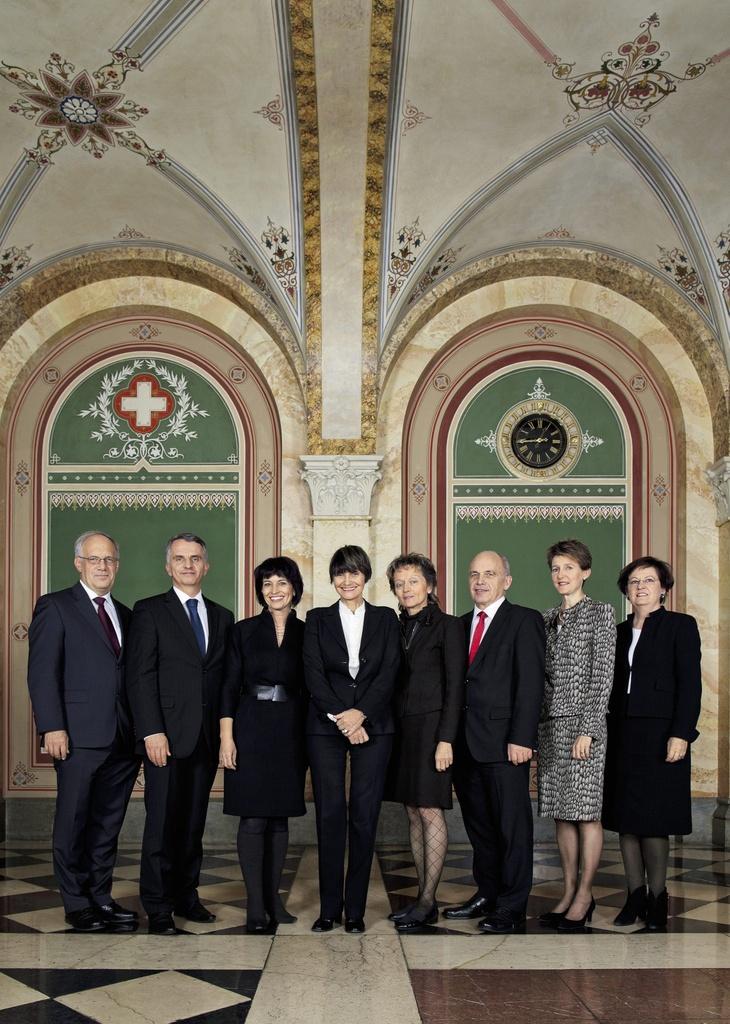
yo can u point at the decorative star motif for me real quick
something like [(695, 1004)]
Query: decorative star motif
[(79, 108)]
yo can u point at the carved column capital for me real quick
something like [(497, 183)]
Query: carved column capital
[(341, 485), (719, 477)]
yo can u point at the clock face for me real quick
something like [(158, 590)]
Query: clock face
[(539, 440)]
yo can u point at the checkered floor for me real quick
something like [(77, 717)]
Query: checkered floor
[(698, 884), (212, 974)]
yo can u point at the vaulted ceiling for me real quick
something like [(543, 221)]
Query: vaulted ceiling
[(342, 157)]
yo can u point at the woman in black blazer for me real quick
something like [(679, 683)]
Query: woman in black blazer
[(653, 712), (429, 697), (262, 711), (351, 657)]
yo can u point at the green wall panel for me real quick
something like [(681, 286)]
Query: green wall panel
[(199, 430), (142, 533), (587, 403), (525, 544)]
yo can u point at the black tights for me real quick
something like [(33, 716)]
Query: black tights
[(262, 845), (645, 861), (429, 843)]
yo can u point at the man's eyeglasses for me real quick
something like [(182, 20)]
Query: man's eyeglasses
[(99, 559)]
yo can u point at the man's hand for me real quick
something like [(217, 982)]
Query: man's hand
[(358, 736), (517, 754), (158, 749), (56, 744)]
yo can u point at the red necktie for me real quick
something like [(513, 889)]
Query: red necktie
[(108, 625), (477, 638)]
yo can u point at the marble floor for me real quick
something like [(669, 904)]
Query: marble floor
[(219, 975)]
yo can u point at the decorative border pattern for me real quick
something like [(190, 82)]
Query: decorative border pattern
[(412, 116), (273, 112), (13, 260), (675, 262), (539, 513), (265, 477), (143, 501), (22, 478)]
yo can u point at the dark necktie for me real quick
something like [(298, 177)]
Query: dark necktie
[(108, 625), (477, 638), (192, 606)]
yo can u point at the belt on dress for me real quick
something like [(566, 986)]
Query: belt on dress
[(262, 691)]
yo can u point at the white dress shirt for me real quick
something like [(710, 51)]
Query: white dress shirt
[(202, 612), (491, 611), (352, 623), (635, 637), (108, 605)]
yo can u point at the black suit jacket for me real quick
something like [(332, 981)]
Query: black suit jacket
[(328, 680), (666, 680), (171, 687), (432, 671), (75, 679), (505, 682)]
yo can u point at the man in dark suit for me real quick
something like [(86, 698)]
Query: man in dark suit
[(497, 736), (76, 682), (174, 671)]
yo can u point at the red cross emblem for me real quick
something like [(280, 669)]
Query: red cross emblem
[(144, 403)]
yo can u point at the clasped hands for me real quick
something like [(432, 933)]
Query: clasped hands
[(350, 725)]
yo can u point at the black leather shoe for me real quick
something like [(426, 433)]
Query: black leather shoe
[(635, 906), (326, 924), (579, 924), (112, 913), (418, 921), (398, 915), (657, 910), (197, 912), (477, 906), (501, 921), (354, 925), (257, 928), (86, 920), (161, 924)]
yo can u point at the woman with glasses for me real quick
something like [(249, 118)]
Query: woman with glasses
[(653, 712)]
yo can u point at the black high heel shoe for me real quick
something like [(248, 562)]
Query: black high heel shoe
[(552, 918), (567, 925), (417, 920)]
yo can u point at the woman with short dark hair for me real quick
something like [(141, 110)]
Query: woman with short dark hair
[(351, 657), (653, 712), (262, 712), (581, 640), (429, 697)]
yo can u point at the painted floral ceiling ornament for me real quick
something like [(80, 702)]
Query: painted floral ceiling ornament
[(79, 108), (632, 79)]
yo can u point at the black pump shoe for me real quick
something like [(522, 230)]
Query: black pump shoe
[(417, 921), (552, 918), (657, 909), (567, 925)]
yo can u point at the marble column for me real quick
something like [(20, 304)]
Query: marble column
[(341, 487), (719, 477)]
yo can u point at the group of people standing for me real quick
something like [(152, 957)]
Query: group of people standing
[(414, 704)]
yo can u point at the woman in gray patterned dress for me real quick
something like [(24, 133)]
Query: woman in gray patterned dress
[(581, 641)]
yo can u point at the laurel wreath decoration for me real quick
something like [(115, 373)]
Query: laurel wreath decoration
[(152, 447)]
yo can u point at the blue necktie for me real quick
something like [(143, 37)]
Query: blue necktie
[(192, 606)]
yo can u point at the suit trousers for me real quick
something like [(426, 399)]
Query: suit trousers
[(497, 811), (93, 789), (176, 805), (336, 822)]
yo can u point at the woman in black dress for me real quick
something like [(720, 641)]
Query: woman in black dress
[(653, 712), (428, 700), (262, 714)]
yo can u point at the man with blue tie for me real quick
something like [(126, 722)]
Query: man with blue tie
[(78, 638), (175, 668)]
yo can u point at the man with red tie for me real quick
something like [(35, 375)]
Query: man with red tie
[(497, 736), (77, 641)]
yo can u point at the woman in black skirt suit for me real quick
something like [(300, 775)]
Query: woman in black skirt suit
[(262, 714), (653, 712), (429, 697)]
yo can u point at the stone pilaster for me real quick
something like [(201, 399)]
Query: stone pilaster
[(719, 477), (341, 487)]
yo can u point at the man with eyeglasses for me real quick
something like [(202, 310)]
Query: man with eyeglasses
[(498, 734), (175, 670), (77, 645)]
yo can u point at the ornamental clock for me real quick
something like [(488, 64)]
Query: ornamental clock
[(539, 439)]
